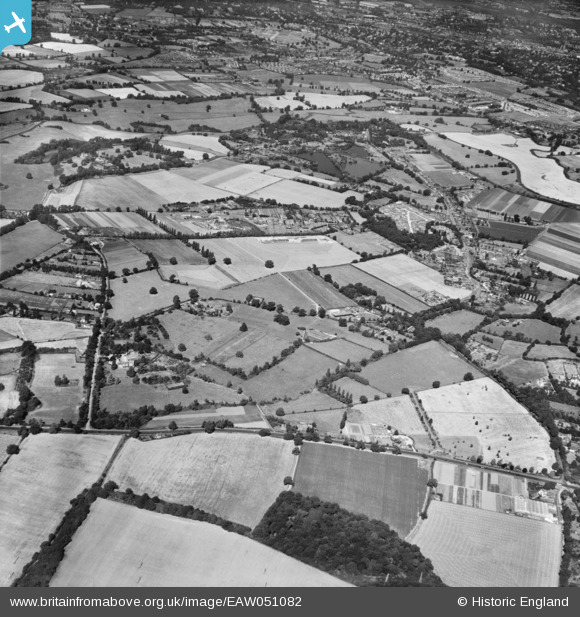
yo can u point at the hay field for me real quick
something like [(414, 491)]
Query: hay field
[(385, 487), (17, 77), (318, 290), (477, 548), (195, 145), (294, 375), (200, 276), (567, 305), (350, 275), (57, 402), (410, 276), (458, 322), (288, 253), (100, 193), (498, 426), (27, 242), (341, 350), (235, 476), (109, 550), (132, 298), (417, 368), (49, 471)]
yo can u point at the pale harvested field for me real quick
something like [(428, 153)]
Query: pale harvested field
[(172, 187), (9, 397), (567, 305), (99, 193), (249, 255), (291, 192), (17, 77), (209, 277), (366, 242), (235, 476), (411, 276), (132, 298), (318, 290), (483, 412), (477, 548), (49, 471), (109, 550), (57, 402), (164, 250)]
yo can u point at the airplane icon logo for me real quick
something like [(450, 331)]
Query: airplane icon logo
[(17, 22)]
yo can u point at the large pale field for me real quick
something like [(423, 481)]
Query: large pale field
[(292, 192), (123, 546), (9, 397), (483, 413), (478, 548), (40, 482), (538, 173), (41, 330), (385, 487), (57, 402), (17, 77), (567, 305), (249, 255), (234, 476), (417, 368), (27, 242), (411, 276)]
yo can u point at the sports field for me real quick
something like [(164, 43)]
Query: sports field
[(476, 548), (458, 322), (49, 471), (109, 550), (417, 368), (385, 487), (235, 476), (318, 290), (411, 276), (485, 415), (287, 253), (27, 242)]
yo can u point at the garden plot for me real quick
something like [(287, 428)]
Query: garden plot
[(287, 253), (411, 277), (537, 173), (492, 423), (49, 471), (477, 548), (235, 476), (108, 551), (384, 487), (417, 368), (58, 402)]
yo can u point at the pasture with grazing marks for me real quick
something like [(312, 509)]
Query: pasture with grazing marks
[(385, 487), (60, 402), (417, 368), (49, 471), (521, 372), (27, 242), (457, 322), (109, 551), (483, 414), (476, 548), (234, 476), (411, 276)]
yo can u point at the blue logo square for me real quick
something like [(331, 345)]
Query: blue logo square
[(15, 22)]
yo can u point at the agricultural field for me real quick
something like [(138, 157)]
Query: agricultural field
[(357, 389), (110, 548), (108, 223), (246, 417), (544, 352), (385, 487), (521, 553), (9, 396), (100, 193), (291, 192), (458, 322), (567, 305), (539, 174), (530, 329), (315, 401), (195, 146), (479, 418), (411, 276), (49, 471), (350, 275), (289, 253), (417, 368), (164, 250), (133, 298), (232, 475), (366, 242), (318, 290), (341, 350), (295, 375), (519, 371), (7, 439), (28, 242), (326, 422), (58, 402), (41, 330), (399, 413), (204, 277), (121, 254), (557, 250), (509, 232)]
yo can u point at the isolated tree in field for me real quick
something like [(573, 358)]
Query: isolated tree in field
[(208, 108), (288, 481), (244, 327), (363, 399), (2, 387), (205, 156), (436, 384), (432, 483), (153, 291), (193, 295), (280, 412), (12, 449), (321, 312), (227, 261), (269, 263), (468, 377), (405, 391), (176, 302), (181, 347), (173, 261)]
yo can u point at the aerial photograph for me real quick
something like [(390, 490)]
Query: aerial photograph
[(290, 294)]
